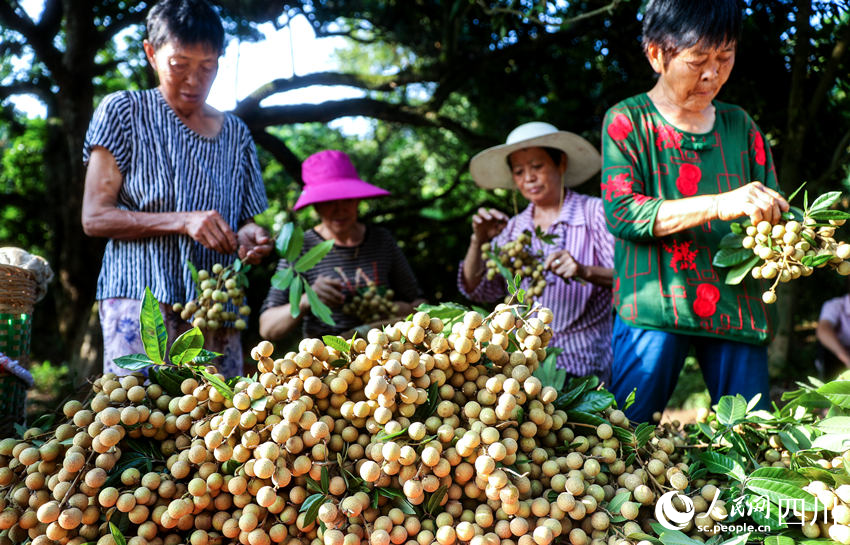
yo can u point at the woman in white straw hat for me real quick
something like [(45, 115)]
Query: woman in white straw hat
[(543, 163)]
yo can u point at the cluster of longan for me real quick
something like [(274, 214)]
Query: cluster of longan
[(371, 305), (208, 310), (333, 446), (791, 249), (518, 257)]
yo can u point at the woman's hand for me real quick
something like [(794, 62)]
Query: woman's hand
[(487, 223), (564, 265), (210, 229), (254, 243), (329, 290), (753, 200)]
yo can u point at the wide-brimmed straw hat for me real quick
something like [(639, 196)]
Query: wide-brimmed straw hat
[(490, 170), (329, 176)]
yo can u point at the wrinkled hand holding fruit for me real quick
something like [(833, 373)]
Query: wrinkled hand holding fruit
[(208, 310), (371, 305), (517, 257), (785, 248)]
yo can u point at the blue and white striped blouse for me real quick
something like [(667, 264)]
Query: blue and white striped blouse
[(167, 167)]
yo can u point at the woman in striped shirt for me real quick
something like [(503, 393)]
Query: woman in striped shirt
[(169, 180), (542, 162)]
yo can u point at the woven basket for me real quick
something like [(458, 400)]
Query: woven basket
[(17, 298)]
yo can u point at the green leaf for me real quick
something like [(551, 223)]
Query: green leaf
[(313, 498), (295, 297), (520, 295), (731, 241), (729, 257), (282, 279), (584, 418), (186, 347), (434, 501), (337, 343), (133, 362), (153, 332), (444, 311), (781, 486), (823, 215), (216, 382), (836, 424), (617, 502), (314, 486), (260, 404), (739, 539), (796, 191), (205, 356), (815, 260), (194, 272), (731, 409), (737, 273), (630, 399), (779, 540), (545, 238), (229, 467), (117, 535), (317, 307), (838, 392), (595, 401), (673, 537), (643, 433), (548, 371), (834, 442), (736, 230), (326, 479), (824, 202), (313, 256), (382, 436), (723, 465), (313, 509)]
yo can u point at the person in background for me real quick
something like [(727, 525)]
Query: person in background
[(543, 163), (170, 180), (833, 334), (363, 255), (677, 167)]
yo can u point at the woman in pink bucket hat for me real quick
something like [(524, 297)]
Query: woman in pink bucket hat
[(363, 255)]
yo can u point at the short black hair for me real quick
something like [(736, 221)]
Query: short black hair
[(187, 22), (676, 25), (554, 153)]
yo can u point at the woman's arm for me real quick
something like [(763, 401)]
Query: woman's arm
[(753, 200), (102, 218), (486, 224), (277, 322), (828, 338)]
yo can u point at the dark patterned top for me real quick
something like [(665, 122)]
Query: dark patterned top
[(167, 167), (377, 259), (669, 283)]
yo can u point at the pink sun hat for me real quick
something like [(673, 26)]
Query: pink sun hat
[(329, 176)]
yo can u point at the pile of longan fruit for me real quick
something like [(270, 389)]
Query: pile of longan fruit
[(427, 434), (519, 259), (785, 246), (371, 304), (218, 290)]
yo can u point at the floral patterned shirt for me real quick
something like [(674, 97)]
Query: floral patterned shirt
[(669, 283)]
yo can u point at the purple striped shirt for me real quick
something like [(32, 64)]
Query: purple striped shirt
[(583, 314)]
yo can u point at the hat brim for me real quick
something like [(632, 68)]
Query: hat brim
[(338, 190), (489, 168)]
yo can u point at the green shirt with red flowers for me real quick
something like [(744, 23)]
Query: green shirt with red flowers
[(668, 283)]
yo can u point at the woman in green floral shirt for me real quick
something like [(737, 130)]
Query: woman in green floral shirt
[(677, 167)]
